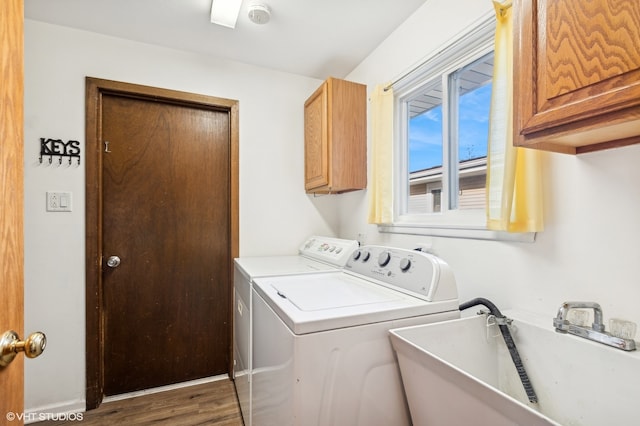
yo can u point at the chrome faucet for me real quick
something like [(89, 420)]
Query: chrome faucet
[(596, 333)]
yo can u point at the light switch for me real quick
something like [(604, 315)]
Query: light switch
[(58, 201)]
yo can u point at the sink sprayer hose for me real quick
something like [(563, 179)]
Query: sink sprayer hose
[(508, 340)]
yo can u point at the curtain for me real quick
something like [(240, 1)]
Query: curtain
[(380, 189), (514, 187)]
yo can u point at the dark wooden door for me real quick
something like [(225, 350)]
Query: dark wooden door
[(166, 216)]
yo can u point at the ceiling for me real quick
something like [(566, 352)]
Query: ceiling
[(314, 38)]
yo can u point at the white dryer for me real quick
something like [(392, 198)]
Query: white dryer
[(316, 255), (321, 350)]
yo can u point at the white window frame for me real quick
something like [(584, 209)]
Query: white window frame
[(463, 50)]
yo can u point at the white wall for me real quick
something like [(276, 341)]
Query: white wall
[(589, 249), (272, 197)]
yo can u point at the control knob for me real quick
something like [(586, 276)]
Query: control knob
[(405, 264), (384, 258), (365, 256), (356, 255)]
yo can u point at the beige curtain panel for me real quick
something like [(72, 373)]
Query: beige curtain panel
[(514, 184), (381, 187)]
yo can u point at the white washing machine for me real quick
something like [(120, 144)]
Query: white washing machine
[(321, 350), (315, 255)]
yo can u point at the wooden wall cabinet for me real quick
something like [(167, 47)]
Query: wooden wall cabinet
[(335, 138), (576, 74)]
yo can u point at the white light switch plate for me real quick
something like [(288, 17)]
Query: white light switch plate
[(58, 201)]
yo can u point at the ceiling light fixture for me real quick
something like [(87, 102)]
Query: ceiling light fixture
[(259, 13), (225, 12)]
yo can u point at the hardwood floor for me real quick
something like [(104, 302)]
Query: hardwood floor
[(212, 403)]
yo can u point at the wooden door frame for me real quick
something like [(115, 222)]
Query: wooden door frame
[(12, 200), (95, 88)]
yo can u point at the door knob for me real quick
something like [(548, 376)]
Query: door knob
[(113, 262), (10, 345)]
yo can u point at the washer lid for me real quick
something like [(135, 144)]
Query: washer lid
[(316, 293), (317, 302)]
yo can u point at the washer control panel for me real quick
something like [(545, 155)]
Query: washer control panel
[(334, 251), (418, 273)]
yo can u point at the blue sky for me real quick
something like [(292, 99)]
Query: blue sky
[(425, 131)]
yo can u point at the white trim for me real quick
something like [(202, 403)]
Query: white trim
[(165, 388), (480, 37), (45, 412), (474, 233)]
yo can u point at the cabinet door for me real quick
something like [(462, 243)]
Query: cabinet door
[(577, 73), (316, 140)]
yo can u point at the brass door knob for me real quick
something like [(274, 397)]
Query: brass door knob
[(10, 345)]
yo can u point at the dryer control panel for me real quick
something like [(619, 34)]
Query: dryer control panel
[(334, 251), (414, 272)]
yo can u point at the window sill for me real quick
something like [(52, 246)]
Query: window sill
[(450, 231)]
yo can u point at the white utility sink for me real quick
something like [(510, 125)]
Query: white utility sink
[(459, 372)]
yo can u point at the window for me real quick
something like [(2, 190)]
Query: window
[(442, 122), (467, 111)]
